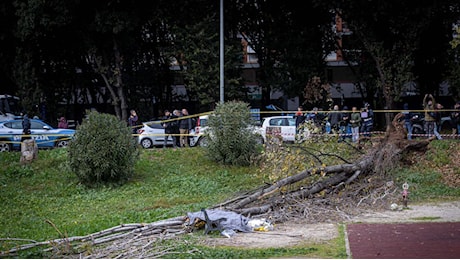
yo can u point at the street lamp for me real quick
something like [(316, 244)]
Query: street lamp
[(221, 51)]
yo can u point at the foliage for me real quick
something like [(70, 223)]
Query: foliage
[(282, 160), (103, 151), (230, 137), (290, 40), (317, 93), (201, 62), (454, 64), (396, 46)]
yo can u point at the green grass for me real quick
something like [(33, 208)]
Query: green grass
[(168, 183), (425, 178)]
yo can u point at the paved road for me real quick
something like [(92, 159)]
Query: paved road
[(404, 240)]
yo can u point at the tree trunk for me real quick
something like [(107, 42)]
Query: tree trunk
[(29, 151)]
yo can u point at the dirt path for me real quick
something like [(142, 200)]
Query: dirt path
[(289, 234)]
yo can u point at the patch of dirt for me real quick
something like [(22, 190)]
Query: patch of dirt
[(290, 234)]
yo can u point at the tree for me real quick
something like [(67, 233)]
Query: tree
[(395, 42), (230, 138), (197, 52), (454, 65), (289, 40), (108, 159)]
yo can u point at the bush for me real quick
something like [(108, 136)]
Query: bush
[(103, 151), (230, 138)]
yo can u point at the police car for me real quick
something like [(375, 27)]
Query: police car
[(44, 135)]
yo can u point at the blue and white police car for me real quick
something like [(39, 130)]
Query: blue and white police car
[(44, 135)]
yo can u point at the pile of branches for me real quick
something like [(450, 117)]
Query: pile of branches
[(122, 241), (346, 190)]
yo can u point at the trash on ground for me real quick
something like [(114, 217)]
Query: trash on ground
[(228, 221)]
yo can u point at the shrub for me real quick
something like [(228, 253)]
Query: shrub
[(230, 138), (103, 151)]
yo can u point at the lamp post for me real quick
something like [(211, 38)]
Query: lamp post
[(221, 51)]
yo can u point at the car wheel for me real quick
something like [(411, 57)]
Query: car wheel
[(203, 142), (146, 143), (5, 147), (191, 141), (62, 143), (259, 140)]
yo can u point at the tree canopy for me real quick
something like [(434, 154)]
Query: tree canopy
[(118, 54)]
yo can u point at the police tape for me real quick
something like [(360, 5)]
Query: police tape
[(292, 113), (372, 133)]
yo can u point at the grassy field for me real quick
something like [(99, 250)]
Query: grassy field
[(168, 183)]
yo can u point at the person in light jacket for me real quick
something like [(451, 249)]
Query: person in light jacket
[(355, 121)]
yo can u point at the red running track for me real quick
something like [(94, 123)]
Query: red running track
[(405, 240)]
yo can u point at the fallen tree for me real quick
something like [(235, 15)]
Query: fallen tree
[(279, 201), (382, 157)]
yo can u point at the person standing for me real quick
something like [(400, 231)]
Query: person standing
[(367, 117), (176, 133), (455, 119), (430, 120), (407, 120), (344, 124), (132, 120), (355, 121), (335, 118), (63, 123), (299, 118), (25, 127), (437, 116), (169, 125), (185, 124)]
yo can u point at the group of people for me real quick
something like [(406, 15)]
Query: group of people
[(177, 124), (432, 118), (347, 124)]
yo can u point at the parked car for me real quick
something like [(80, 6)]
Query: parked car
[(282, 127), (200, 139), (152, 134), (44, 135)]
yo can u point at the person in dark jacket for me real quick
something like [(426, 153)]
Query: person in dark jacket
[(176, 133), (25, 127), (367, 120), (455, 117), (335, 118), (132, 121), (299, 118), (169, 124), (430, 120), (344, 124), (407, 120), (185, 124)]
